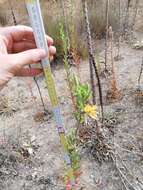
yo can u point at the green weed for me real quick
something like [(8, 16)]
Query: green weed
[(73, 149), (82, 94)]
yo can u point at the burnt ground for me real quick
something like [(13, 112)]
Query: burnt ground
[(30, 153)]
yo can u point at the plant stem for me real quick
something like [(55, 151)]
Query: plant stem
[(92, 60), (135, 14), (119, 35), (126, 21), (64, 14), (141, 71), (114, 89), (90, 49), (106, 38)]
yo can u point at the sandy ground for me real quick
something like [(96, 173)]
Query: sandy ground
[(44, 169)]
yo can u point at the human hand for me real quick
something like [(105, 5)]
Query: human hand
[(18, 49)]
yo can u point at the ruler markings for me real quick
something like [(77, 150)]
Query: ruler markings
[(34, 11)]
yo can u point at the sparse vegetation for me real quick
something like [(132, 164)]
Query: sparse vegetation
[(100, 90)]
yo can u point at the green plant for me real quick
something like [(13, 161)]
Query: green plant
[(52, 28), (65, 46), (82, 94), (73, 152), (73, 149), (69, 73)]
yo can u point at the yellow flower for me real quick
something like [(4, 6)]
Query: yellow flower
[(91, 111)]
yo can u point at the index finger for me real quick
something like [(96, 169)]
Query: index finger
[(21, 32)]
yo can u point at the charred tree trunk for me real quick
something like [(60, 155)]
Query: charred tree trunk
[(92, 62)]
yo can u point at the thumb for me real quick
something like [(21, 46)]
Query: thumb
[(28, 57)]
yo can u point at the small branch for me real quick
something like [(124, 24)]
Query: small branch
[(119, 35), (64, 14), (90, 49), (114, 156), (99, 86), (141, 71), (106, 39), (12, 13), (92, 60), (122, 176), (135, 14), (126, 150), (126, 21)]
